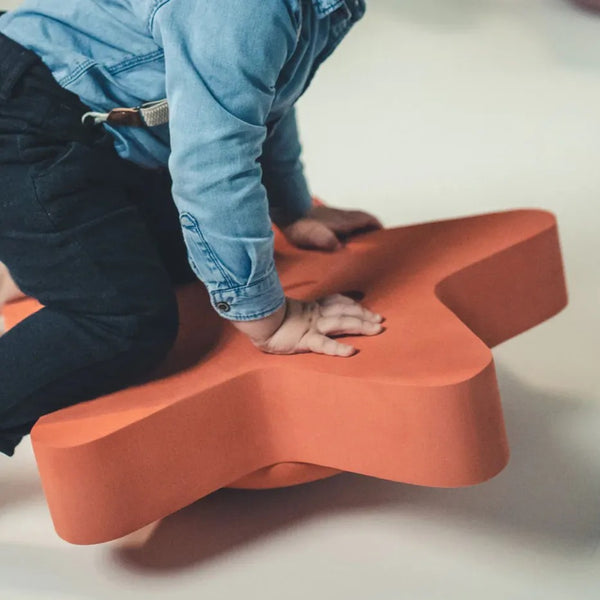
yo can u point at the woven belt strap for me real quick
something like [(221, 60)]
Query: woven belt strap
[(149, 114)]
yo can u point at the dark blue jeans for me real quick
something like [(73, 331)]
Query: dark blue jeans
[(95, 238)]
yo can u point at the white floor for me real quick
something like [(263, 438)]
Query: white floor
[(431, 109)]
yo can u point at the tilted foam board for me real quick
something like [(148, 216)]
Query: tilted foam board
[(419, 403)]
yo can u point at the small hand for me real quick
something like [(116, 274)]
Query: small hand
[(320, 229), (309, 326)]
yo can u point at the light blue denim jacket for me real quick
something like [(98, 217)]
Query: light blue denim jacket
[(232, 71)]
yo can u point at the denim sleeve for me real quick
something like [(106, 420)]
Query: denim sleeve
[(222, 61), (283, 172)]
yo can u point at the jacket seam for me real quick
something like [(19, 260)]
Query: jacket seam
[(240, 287), (76, 72), (207, 248), (120, 67), (150, 23), (129, 63)]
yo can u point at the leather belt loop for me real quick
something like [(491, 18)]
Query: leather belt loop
[(129, 117), (150, 114)]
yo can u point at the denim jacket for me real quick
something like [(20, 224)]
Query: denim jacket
[(232, 71)]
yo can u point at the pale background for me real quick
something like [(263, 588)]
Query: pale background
[(430, 109)]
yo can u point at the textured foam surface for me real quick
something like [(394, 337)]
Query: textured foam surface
[(419, 403)]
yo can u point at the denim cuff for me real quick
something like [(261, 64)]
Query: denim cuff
[(254, 301)]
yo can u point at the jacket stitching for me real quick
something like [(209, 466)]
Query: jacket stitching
[(76, 73), (238, 288), (207, 248), (129, 63), (120, 67), (159, 4)]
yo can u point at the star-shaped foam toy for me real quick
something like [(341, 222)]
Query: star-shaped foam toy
[(419, 403)]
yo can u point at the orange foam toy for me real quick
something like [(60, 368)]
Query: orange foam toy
[(419, 403)]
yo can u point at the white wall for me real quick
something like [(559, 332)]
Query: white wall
[(8, 4)]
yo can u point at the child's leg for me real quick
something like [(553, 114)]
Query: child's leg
[(150, 190), (71, 237)]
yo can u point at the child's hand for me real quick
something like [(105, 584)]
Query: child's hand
[(307, 325), (319, 230)]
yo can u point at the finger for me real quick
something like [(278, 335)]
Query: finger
[(312, 234), (339, 299), (356, 219), (366, 219), (355, 310), (342, 324), (324, 238), (375, 222), (315, 342), (335, 299)]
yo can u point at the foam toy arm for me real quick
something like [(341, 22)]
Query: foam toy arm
[(418, 403)]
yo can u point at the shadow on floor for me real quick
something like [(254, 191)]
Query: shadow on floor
[(549, 491), (19, 491)]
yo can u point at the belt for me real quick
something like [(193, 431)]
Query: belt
[(149, 114)]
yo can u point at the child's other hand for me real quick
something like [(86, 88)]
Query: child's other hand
[(320, 229), (307, 325)]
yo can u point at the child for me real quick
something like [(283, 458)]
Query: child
[(100, 220)]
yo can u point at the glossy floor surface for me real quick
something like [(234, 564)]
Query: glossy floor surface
[(431, 109)]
